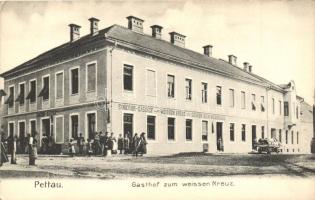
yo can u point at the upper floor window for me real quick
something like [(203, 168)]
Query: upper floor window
[(45, 90), (21, 97), (243, 100), (32, 93), (188, 86), (262, 104), (286, 108), (231, 91), (273, 106), (171, 86), (151, 83), (280, 107), (219, 95), (10, 99), (91, 77), (59, 85), (204, 92), (74, 81), (253, 102)]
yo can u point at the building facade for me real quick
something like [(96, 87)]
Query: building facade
[(121, 80)]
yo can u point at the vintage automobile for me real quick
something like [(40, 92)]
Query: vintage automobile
[(268, 145)]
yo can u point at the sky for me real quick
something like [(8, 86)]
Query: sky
[(276, 37)]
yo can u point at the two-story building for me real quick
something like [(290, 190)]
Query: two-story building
[(122, 80)]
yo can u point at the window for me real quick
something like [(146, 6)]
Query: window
[(44, 93), (151, 127), (204, 136), (263, 132), (297, 137), (151, 83), (273, 106), (188, 129), (128, 124), (59, 85), (273, 133), (219, 95), (280, 107), (10, 99), (243, 102), (188, 87), (171, 128), (292, 137), (286, 108), (232, 131), (91, 124), (231, 91), (21, 97), (11, 128), (32, 127), (170, 86), (280, 135), (21, 129), (204, 92), (91, 77), (32, 93), (74, 81), (297, 112), (253, 102), (286, 136), (59, 134), (74, 126), (243, 132), (262, 104)]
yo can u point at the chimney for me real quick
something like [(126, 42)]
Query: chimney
[(246, 64), (157, 31), (250, 68), (177, 39), (232, 59), (207, 50), (93, 25), (135, 24), (74, 32)]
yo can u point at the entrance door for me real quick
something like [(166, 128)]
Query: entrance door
[(91, 125), (33, 127), (11, 129), (45, 127), (254, 136), (128, 124), (220, 146)]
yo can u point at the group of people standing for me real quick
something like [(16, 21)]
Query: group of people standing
[(106, 144)]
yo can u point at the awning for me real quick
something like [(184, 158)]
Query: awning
[(44, 91), (9, 100), (31, 94), (2, 93), (19, 98)]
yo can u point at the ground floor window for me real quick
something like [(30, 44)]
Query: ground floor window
[(273, 133), (280, 135), (262, 132), (297, 137), (128, 124), (204, 131), (171, 128), (22, 129), (74, 124), (286, 137), (188, 129), (292, 137), (11, 129), (243, 132), (46, 127), (151, 127), (232, 131)]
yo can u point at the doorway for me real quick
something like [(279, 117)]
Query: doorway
[(128, 124), (220, 146), (254, 137), (46, 127), (91, 125)]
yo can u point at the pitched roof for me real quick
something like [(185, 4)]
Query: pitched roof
[(120, 33)]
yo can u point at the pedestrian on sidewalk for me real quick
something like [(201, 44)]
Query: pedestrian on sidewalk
[(3, 155), (80, 143), (126, 144), (71, 147), (89, 147), (120, 143), (31, 153)]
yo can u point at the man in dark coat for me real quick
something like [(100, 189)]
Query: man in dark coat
[(80, 143), (120, 143)]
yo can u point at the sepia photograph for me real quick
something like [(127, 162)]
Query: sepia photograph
[(157, 99)]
